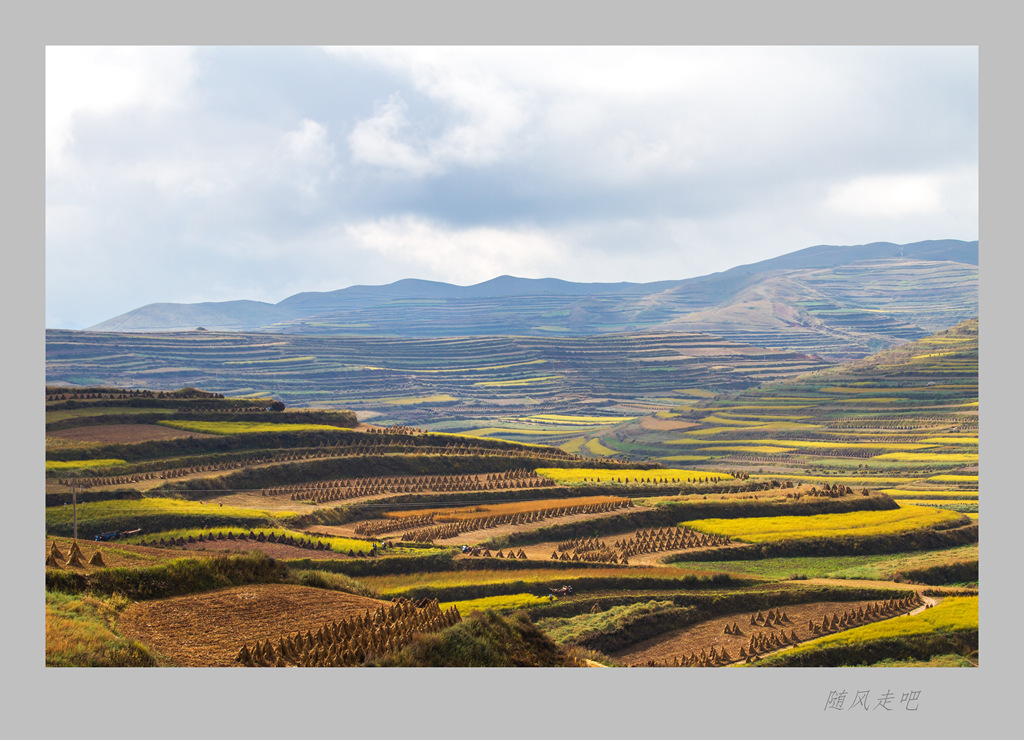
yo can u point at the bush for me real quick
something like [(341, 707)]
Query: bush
[(187, 575), (482, 639)]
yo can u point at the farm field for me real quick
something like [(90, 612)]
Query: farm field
[(281, 536), (540, 389)]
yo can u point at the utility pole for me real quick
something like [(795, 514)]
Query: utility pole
[(74, 511)]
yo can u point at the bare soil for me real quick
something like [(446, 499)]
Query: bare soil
[(654, 424), (123, 433), (208, 629)]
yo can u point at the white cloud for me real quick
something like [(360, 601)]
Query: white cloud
[(309, 143), (104, 80), (466, 256), (376, 141), (888, 196)]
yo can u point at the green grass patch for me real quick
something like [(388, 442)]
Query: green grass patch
[(61, 414), (155, 515), (573, 629), (81, 631)]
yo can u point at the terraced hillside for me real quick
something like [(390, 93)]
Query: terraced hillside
[(255, 536), (526, 389), (904, 420)]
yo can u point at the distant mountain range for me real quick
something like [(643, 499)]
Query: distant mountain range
[(835, 301)]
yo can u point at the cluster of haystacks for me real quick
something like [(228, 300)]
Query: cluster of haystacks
[(230, 536), (644, 541), (352, 641), (75, 558), (872, 613), (454, 529)]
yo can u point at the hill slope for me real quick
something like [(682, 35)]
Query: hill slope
[(838, 302)]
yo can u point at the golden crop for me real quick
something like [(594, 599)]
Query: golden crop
[(818, 526)]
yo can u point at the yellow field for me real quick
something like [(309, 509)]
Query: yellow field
[(244, 427), (524, 381), (498, 603), (952, 440), (455, 369), (486, 432), (763, 449), (928, 457), (483, 511), (573, 445), (952, 613), (308, 358), (951, 478), (601, 475), (81, 464), (817, 526), (412, 400), (595, 446), (589, 420)]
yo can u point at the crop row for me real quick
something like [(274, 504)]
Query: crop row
[(453, 529)]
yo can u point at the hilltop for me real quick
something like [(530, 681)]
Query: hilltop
[(834, 301)]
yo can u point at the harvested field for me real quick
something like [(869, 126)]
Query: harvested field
[(208, 629), (114, 554), (270, 549), (543, 550), (702, 637), (123, 433), (655, 424)]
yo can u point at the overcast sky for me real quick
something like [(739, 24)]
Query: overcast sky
[(222, 173)]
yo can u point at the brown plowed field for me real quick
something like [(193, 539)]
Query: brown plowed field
[(208, 629), (123, 433), (682, 642), (655, 424)]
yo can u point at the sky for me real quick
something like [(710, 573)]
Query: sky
[(190, 174)]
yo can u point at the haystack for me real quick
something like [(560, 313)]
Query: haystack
[(97, 560), (75, 557)]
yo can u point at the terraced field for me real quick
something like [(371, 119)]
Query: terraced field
[(333, 531), (907, 417), (533, 389)]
